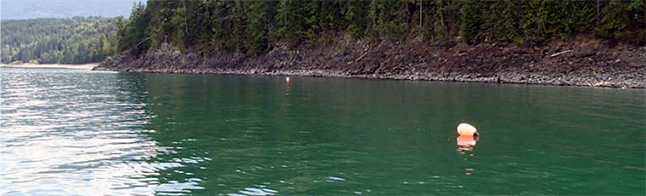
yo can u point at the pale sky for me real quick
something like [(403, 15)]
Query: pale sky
[(25, 9)]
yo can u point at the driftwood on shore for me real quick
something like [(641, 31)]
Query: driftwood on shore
[(560, 53)]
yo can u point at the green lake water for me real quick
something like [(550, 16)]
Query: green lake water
[(103, 133)]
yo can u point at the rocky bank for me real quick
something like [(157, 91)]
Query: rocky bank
[(581, 61)]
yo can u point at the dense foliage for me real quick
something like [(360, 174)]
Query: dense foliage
[(75, 40), (257, 26)]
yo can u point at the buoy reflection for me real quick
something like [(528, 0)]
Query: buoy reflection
[(465, 149)]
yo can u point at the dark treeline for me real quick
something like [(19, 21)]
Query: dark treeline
[(257, 26), (74, 40)]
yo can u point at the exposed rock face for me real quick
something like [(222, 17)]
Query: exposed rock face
[(578, 62)]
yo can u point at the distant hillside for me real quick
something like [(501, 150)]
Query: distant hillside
[(75, 40), (29, 9)]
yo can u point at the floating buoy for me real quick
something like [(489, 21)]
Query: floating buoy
[(286, 79), (465, 129)]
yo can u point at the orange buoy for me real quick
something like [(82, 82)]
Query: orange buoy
[(286, 79), (465, 129), (466, 141)]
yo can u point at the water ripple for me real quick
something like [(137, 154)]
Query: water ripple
[(76, 133)]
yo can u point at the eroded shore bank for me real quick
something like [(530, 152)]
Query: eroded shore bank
[(581, 62)]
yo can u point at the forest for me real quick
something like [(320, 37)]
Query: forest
[(75, 40), (255, 27)]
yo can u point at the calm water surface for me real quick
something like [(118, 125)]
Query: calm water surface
[(97, 133)]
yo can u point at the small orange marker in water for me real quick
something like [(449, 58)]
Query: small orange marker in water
[(466, 141), (286, 79), (468, 137), (465, 129)]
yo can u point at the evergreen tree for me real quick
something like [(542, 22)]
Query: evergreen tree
[(387, 18), (471, 21), (290, 17), (534, 21), (502, 21), (355, 13), (614, 20), (260, 18)]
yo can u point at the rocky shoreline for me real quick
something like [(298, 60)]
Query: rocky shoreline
[(579, 62)]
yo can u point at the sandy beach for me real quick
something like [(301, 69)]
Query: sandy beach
[(89, 66)]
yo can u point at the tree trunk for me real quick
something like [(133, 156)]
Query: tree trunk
[(446, 30), (421, 13), (598, 11), (185, 23)]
